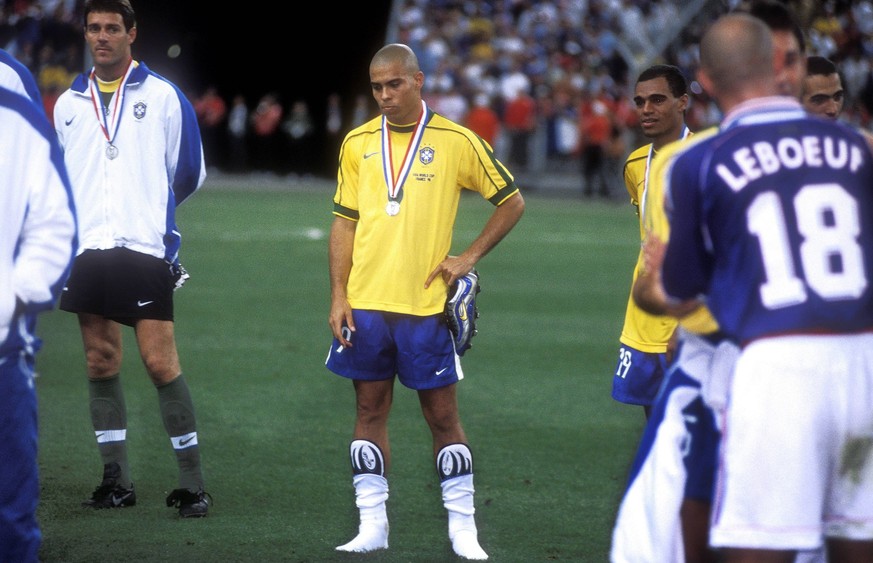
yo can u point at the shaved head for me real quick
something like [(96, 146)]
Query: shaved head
[(396, 81), (736, 57), (395, 53)]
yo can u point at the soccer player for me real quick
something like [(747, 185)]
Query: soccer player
[(133, 151), (660, 98), (823, 92), (747, 233), (673, 472), (400, 180), (789, 45), (37, 245)]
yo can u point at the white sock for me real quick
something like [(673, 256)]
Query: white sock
[(458, 490), (371, 493)]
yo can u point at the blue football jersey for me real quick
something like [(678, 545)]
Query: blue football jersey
[(772, 221)]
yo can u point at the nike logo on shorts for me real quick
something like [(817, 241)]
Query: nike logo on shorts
[(143, 303), (440, 372)]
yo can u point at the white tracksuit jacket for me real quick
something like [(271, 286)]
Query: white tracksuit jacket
[(15, 76), (38, 230), (159, 163)]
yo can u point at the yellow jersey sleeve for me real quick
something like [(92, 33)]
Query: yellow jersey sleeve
[(656, 222)]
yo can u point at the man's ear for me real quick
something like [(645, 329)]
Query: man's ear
[(704, 81)]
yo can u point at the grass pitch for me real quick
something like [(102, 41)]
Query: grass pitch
[(551, 447)]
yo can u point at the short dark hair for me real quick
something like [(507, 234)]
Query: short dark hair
[(778, 17), (122, 7), (816, 65), (676, 81)]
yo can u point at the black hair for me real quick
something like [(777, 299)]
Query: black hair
[(122, 7), (676, 81), (778, 17), (816, 65)]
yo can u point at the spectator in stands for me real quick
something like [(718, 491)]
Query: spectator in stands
[(53, 77), (519, 122), (211, 111), (483, 120), (266, 120), (299, 130), (334, 132), (237, 135), (362, 111), (595, 129)]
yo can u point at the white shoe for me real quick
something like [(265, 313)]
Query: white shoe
[(371, 536), (466, 544)]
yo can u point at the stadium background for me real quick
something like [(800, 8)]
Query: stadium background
[(576, 58), (552, 447)]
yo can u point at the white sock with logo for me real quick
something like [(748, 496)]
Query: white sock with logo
[(371, 493), (455, 466)]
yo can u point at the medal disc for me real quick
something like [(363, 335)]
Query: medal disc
[(393, 208), (111, 152)]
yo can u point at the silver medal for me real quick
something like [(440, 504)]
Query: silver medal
[(393, 208), (111, 152)]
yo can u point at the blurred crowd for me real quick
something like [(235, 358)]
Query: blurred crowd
[(45, 35), (557, 75), (546, 82)]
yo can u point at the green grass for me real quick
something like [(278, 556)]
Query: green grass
[(551, 447)]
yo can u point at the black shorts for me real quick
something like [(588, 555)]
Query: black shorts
[(120, 284)]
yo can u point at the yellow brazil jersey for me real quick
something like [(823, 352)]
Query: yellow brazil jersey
[(645, 332), (656, 222), (394, 254)]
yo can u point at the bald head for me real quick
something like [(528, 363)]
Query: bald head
[(736, 59), (396, 54)]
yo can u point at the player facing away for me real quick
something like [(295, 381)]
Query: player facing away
[(677, 449), (37, 245), (132, 147), (772, 223), (660, 99), (400, 180)]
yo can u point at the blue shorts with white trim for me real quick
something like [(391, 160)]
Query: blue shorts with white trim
[(418, 350)]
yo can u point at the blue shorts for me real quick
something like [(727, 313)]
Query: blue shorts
[(20, 535), (418, 350), (638, 376)]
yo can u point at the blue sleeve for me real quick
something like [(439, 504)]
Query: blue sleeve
[(27, 79), (190, 168), (687, 262)]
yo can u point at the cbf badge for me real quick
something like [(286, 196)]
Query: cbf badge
[(139, 110), (425, 155)]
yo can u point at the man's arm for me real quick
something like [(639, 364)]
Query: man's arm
[(504, 218), (648, 290), (342, 242)]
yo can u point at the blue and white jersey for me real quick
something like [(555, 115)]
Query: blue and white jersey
[(38, 231), (132, 163), (17, 77), (772, 221)]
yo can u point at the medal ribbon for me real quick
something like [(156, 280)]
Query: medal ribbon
[(685, 133), (94, 90), (395, 185)]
